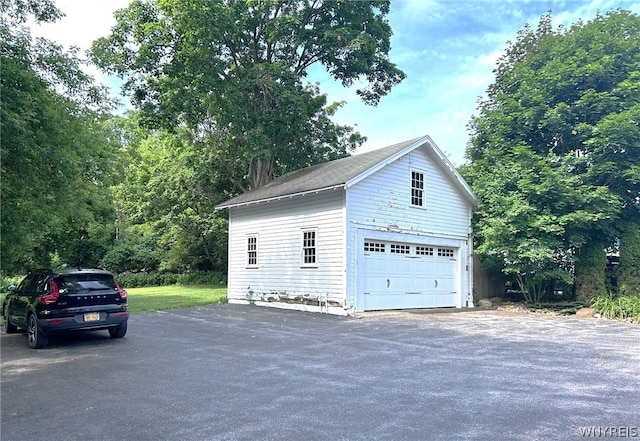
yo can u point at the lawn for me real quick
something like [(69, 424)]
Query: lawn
[(159, 298)]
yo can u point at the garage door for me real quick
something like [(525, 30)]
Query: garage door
[(404, 275)]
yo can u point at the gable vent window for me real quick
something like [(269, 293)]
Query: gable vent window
[(309, 248), (424, 251), (417, 189), (399, 249), (252, 251), (373, 247), (445, 252)]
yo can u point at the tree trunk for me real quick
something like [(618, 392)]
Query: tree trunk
[(259, 172), (590, 271)]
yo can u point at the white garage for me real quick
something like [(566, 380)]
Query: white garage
[(405, 275), (387, 229)]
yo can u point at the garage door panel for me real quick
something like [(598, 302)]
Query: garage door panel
[(402, 275)]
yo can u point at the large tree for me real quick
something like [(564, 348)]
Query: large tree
[(234, 71), (57, 156), (569, 97), (166, 199)]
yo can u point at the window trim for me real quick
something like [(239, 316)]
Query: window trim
[(303, 247), (248, 251), (423, 175)]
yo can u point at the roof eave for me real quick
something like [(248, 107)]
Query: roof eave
[(277, 198)]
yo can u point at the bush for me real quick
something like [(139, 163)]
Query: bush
[(628, 271), (137, 255), (6, 281), (619, 308), (202, 278), (139, 280)]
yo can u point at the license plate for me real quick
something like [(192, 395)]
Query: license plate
[(92, 317)]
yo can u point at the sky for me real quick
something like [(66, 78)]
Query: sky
[(447, 48)]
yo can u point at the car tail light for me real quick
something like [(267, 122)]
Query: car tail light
[(52, 297), (122, 292)]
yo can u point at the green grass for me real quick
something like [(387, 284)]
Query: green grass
[(160, 298), (620, 308)]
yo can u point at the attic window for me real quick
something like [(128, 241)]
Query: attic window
[(417, 188)]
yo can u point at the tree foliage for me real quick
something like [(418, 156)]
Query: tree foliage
[(555, 149), (628, 271), (232, 72), (166, 203), (57, 157)]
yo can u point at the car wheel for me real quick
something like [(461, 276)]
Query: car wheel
[(119, 331), (9, 327), (37, 340)]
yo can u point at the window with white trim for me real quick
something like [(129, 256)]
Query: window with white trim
[(417, 188), (309, 251), (252, 251)]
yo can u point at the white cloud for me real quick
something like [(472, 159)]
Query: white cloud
[(84, 22)]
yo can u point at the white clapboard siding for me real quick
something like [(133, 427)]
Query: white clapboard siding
[(347, 203), (383, 199), (379, 207), (279, 226)]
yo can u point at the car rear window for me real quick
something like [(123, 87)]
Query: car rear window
[(85, 282)]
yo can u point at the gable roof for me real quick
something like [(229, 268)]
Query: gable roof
[(346, 172)]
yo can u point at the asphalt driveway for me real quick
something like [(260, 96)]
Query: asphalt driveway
[(230, 372)]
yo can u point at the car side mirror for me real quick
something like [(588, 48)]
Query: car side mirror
[(12, 288)]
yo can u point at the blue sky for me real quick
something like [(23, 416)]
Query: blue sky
[(447, 48)]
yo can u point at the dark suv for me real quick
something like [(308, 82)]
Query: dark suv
[(49, 301)]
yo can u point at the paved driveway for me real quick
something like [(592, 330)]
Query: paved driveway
[(231, 372)]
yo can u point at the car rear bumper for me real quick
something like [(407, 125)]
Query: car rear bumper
[(82, 321)]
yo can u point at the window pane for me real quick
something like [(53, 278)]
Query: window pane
[(445, 252), (252, 250), (424, 251), (399, 249), (417, 188), (374, 247), (309, 247)]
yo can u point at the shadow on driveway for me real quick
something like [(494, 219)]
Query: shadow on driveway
[(232, 372)]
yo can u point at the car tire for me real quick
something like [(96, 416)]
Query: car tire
[(119, 331), (9, 327), (37, 340)]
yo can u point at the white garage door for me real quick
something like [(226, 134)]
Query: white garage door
[(404, 275)]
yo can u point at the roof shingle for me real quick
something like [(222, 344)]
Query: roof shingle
[(317, 177)]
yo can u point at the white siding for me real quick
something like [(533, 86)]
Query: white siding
[(280, 273), (383, 199), (379, 207)]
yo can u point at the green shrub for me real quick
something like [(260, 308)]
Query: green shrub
[(6, 281), (139, 280), (202, 278), (628, 271), (619, 308), (132, 255)]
